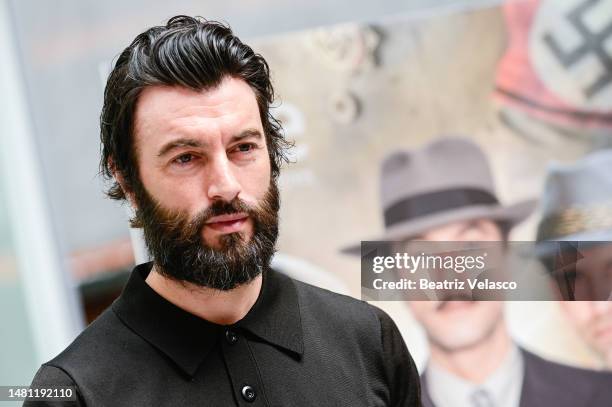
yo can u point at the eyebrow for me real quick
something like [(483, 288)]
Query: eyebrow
[(190, 142), (254, 133), (182, 142)]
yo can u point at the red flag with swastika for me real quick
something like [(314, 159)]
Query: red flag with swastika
[(558, 63)]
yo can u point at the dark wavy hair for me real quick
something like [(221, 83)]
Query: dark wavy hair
[(191, 52)]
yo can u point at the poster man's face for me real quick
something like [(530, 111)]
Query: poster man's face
[(593, 319), (456, 325), (209, 205), (593, 322)]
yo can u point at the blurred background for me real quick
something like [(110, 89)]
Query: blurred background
[(529, 80)]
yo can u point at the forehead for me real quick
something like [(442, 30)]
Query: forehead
[(166, 110), (458, 228), (448, 230)]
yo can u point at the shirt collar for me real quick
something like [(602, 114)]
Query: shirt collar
[(503, 385), (187, 339)]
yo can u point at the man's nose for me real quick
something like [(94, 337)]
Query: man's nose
[(222, 184)]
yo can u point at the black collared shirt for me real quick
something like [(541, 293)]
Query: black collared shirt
[(299, 345)]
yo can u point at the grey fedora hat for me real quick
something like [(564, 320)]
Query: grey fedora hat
[(577, 202), (445, 181)]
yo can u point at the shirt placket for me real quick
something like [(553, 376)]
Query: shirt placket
[(242, 369)]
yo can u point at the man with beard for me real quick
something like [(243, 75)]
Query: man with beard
[(444, 192), (188, 137)]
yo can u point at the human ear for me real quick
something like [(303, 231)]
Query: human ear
[(129, 194)]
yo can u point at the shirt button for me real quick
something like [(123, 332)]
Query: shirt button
[(231, 336), (248, 393)]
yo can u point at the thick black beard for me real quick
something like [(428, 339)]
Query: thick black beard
[(175, 242)]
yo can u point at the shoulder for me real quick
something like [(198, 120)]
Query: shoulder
[(53, 376), (555, 378), (49, 374), (348, 319), (537, 364), (81, 362), (362, 333), (337, 307), (88, 357), (90, 340)]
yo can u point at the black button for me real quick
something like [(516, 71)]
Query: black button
[(248, 393), (231, 336)]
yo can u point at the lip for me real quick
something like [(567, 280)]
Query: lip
[(228, 223), (227, 218)]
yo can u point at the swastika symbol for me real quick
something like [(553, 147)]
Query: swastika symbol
[(593, 44)]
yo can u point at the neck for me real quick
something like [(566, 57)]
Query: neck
[(219, 307), (475, 363)]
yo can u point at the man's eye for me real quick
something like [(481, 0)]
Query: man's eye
[(245, 148), (184, 159)]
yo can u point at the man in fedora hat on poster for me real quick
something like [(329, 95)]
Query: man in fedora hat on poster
[(444, 191), (446, 181), (577, 211)]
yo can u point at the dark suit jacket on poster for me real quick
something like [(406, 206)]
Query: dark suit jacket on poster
[(548, 383)]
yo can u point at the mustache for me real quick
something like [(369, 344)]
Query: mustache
[(451, 298), (219, 208), (189, 229)]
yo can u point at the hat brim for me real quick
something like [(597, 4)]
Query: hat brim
[(548, 248), (511, 214)]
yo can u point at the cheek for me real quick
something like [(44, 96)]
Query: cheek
[(156, 184), (578, 312), (256, 179), (423, 310), (493, 309), (187, 195)]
